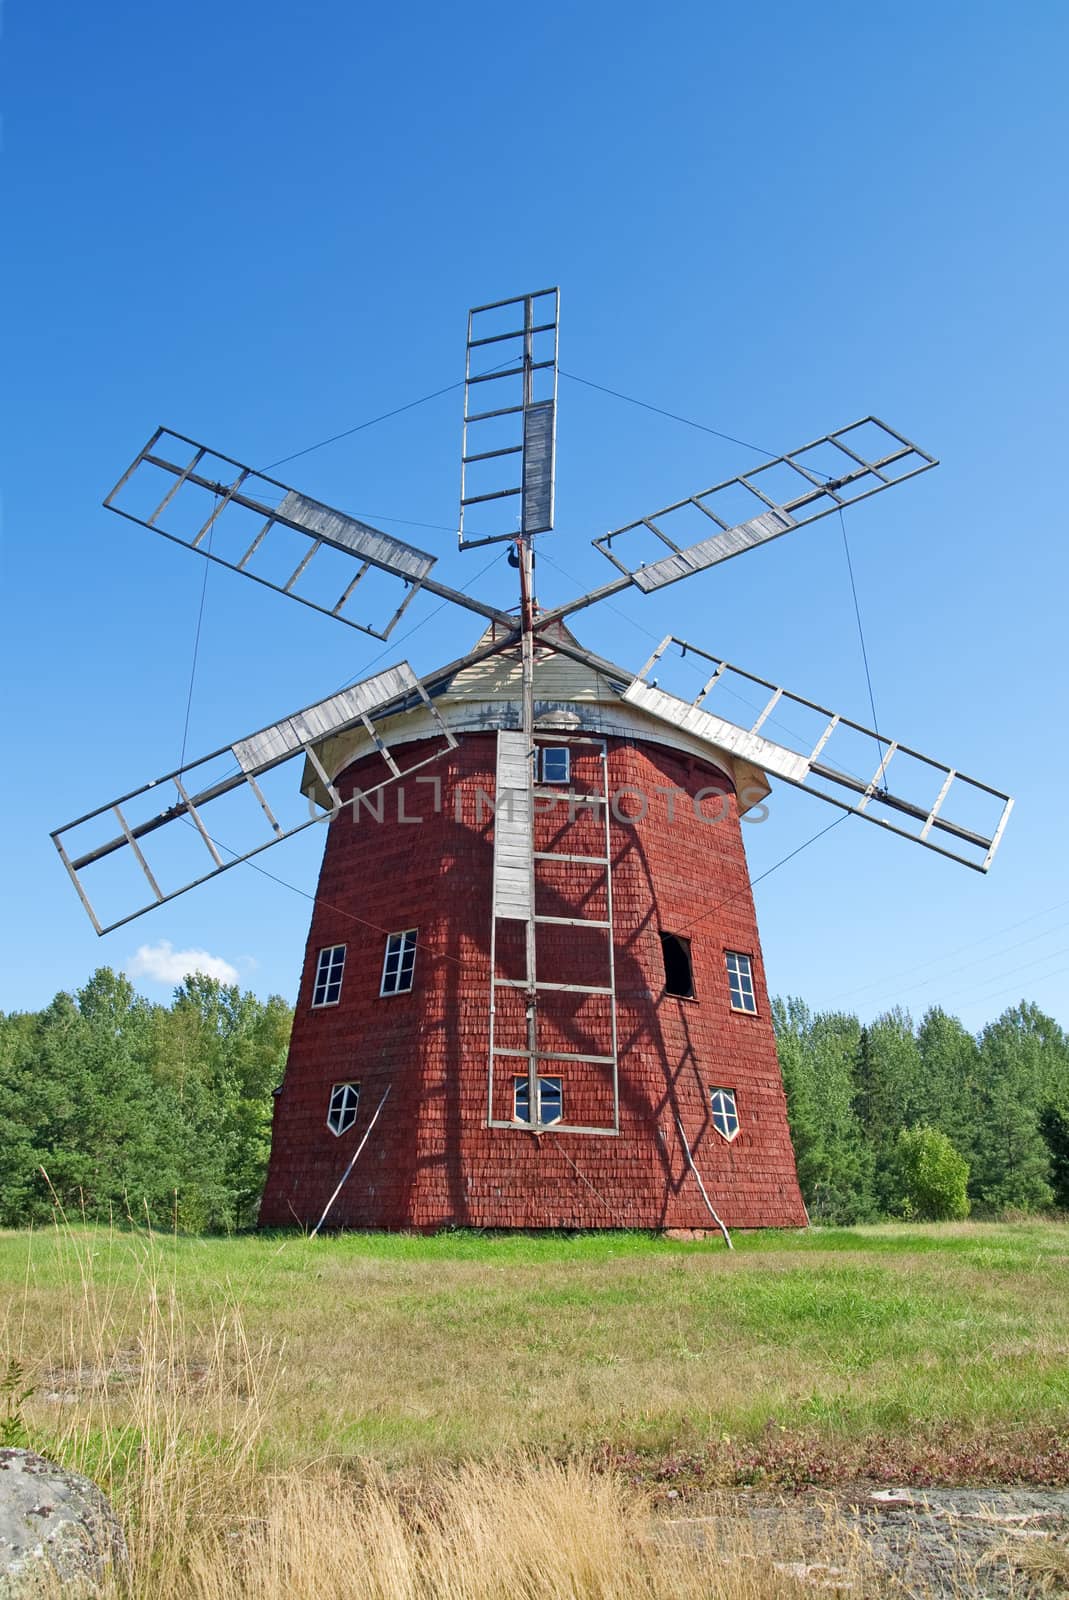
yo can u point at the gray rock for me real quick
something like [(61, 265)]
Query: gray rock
[(54, 1524)]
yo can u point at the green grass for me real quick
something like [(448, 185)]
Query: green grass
[(413, 1349)]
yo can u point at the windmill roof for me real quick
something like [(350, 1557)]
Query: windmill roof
[(574, 690)]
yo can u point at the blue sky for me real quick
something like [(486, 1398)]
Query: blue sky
[(262, 224)]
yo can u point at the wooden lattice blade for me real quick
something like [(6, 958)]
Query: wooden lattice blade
[(839, 760), (249, 523), (787, 492), (211, 814)]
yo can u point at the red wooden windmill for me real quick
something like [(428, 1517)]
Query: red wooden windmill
[(533, 993)]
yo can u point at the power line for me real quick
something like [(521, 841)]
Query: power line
[(1025, 966), (1042, 978), (994, 955), (948, 955)]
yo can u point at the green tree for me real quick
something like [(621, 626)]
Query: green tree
[(222, 1053), (818, 1056), (888, 1091), (1020, 1056), (111, 1104), (1054, 1126), (931, 1178), (86, 1109), (949, 1090)]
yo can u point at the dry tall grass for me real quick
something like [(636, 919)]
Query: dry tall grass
[(170, 1417), (165, 1399), (524, 1531)]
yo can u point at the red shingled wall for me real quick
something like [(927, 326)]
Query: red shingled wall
[(431, 1159)]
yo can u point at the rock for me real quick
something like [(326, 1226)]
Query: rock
[(817, 1573), (53, 1523)]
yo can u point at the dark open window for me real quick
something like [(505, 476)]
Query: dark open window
[(678, 973)]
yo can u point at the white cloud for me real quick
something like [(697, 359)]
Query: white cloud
[(162, 963)]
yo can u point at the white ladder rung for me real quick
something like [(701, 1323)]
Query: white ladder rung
[(565, 988), (574, 922), (558, 855)]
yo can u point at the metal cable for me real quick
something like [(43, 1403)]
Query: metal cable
[(751, 882), (673, 416), (196, 650), (880, 740), (410, 405), (359, 427)]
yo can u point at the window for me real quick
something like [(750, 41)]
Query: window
[(400, 963), (329, 969), (740, 981), (678, 973), (725, 1112), (556, 763), (344, 1099), (550, 1100)]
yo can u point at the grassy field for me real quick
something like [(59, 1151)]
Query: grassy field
[(186, 1373)]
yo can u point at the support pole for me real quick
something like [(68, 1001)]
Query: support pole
[(701, 1186), (534, 1110), (352, 1162), (527, 611)]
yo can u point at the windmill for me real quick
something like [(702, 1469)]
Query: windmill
[(545, 953)]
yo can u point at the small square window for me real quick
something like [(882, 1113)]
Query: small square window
[(725, 1112), (556, 763), (329, 968), (400, 962), (341, 1114), (740, 982), (550, 1100), (678, 971)]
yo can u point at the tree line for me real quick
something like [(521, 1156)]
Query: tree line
[(113, 1105), (893, 1118)]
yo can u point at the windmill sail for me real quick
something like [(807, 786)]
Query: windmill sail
[(789, 491), (906, 792), (825, 475), (255, 525), (510, 417), (210, 815)]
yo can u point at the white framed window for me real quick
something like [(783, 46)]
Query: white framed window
[(740, 982), (399, 963), (556, 763), (550, 1099), (341, 1113), (725, 1112), (329, 968)]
